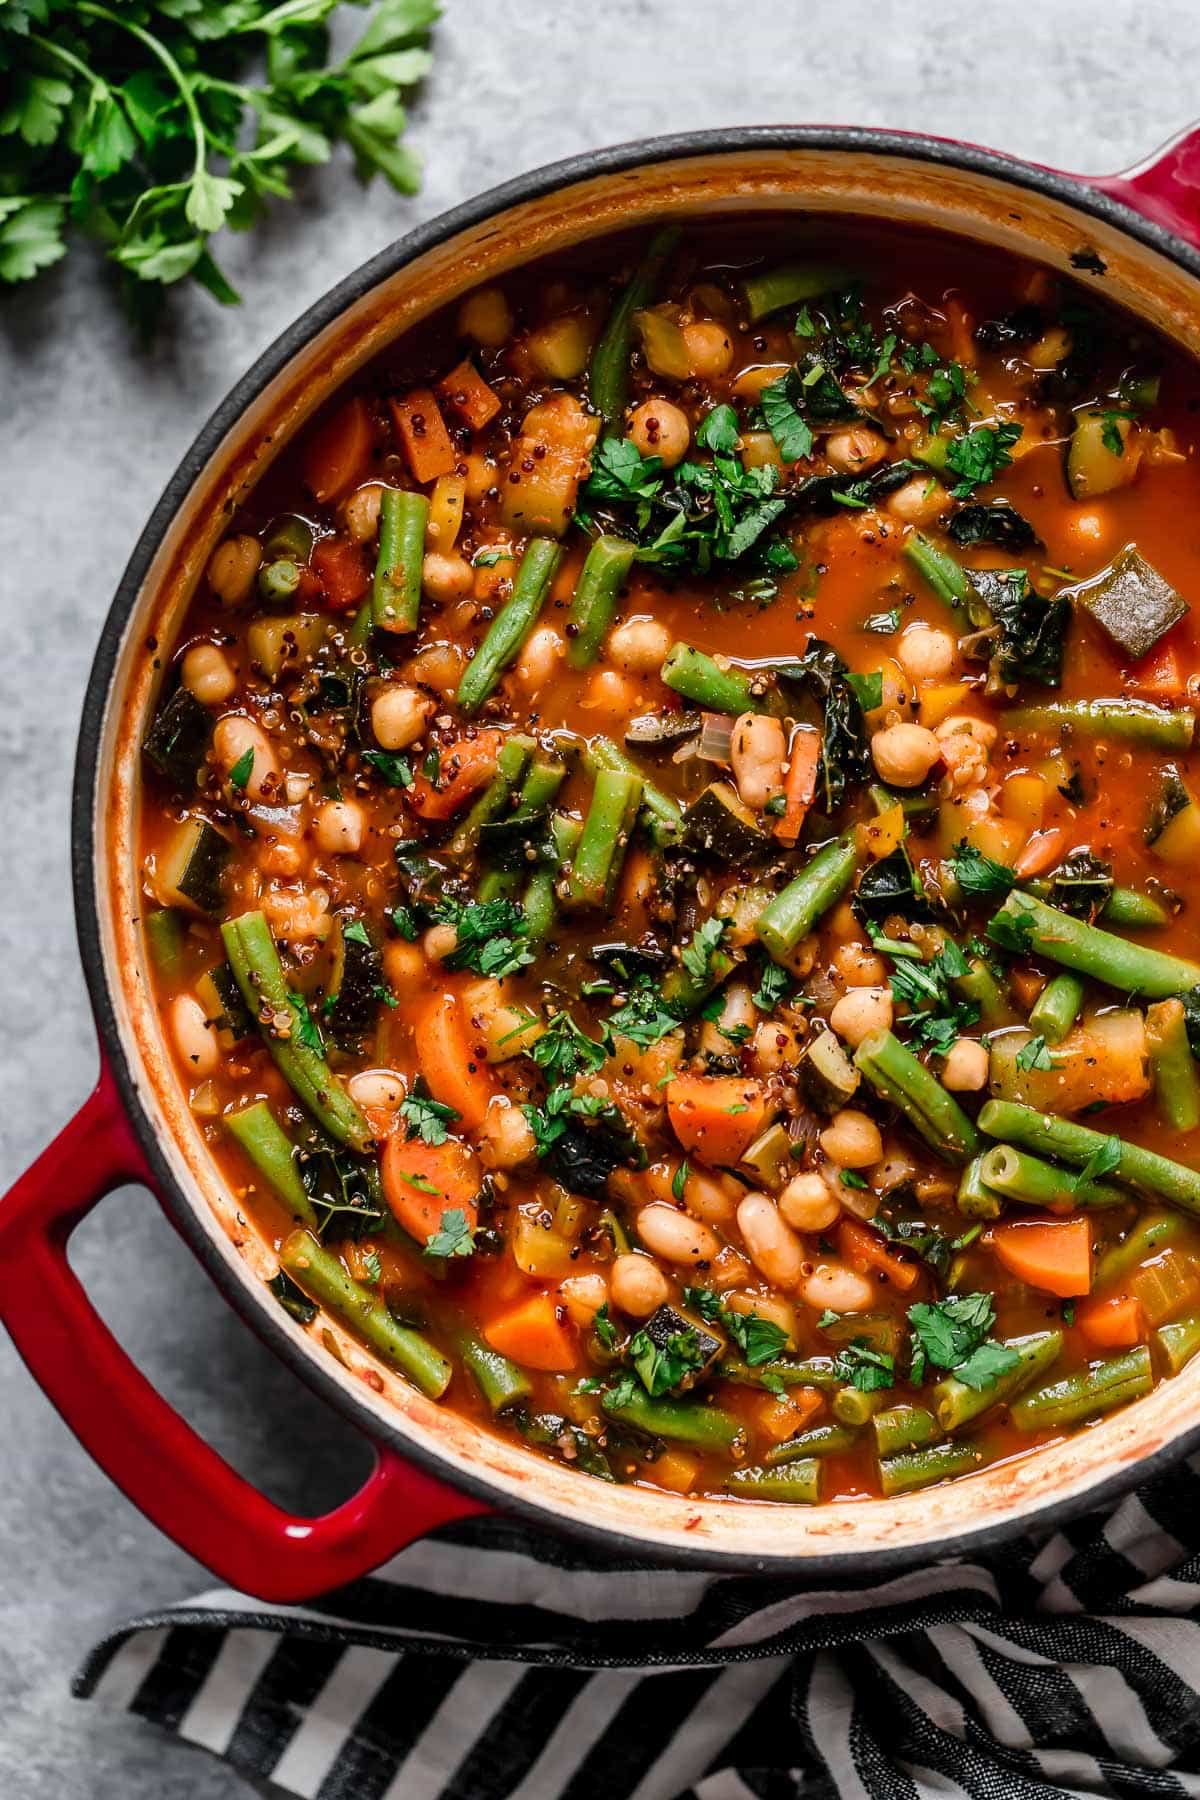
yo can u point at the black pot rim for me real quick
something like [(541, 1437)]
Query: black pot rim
[(263, 1317)]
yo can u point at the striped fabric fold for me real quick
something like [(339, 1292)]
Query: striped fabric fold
[(491, 1663)]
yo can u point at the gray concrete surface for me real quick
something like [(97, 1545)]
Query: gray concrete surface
[(90, 428)]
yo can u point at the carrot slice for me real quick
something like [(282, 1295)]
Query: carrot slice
[(804, 756), (422, 1182), (533, 1334), (1054, 1255), (466, 768), (1041, 852), (1159, 675), (715, 1117), (1112, 1323), (339, 451), (466, 392), (422, 431), (343, 572), (864, 1249), (456, 1075)]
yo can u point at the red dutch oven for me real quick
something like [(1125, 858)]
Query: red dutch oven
[(1134, 237)]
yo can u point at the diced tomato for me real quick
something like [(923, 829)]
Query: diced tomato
[(343, 572)]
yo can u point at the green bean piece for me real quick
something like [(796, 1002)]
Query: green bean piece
[(896, 1075), (1137, 721), (543, 779), (810, 1371), (1133, 910), (1074, 944), (912, 1469), (324, 1279), (944, 574), (1176, 1082), (257, 1132), (540, 903), (165, 934), (791, 284), (601, 579), (904, 1427), (396, 592), (682, 1421), (661, 816), (1016, 1175), (499, 1380), (499, 884), (798, 1484), (1087, 1394), (794, 912), (511, 763), (289, 535), (512, 624), (1056, 1008), (956, 1404), (256, 967), (818, 1440), (699, 679), (1145, 1170), (975, 1199), (1178, 1342), (851, 1406), (278, 581), (980, 985), (608, 373), (1143, 1240), (913, 806), (358, 634), (600, 852)]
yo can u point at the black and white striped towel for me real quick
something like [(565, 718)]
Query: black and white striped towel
[(487, 1663)]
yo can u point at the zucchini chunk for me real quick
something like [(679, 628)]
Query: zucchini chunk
[(1094, 467), (224, 1007), (178, 739), (828, 1079), (669, 1323), (1132, 603), (719, 823), (285, 637), (190, 871)]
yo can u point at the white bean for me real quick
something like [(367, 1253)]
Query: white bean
[(638, 1286), (539, 658), (808, 1203), (758, 752), (195, 1039), (380, 1089), (232, 568), (835, 1288), (234, 737), (361, 512), (772, 1245), (583, 1296), (712, 1197), (675, 1236), (505, 1138), (920, 501)]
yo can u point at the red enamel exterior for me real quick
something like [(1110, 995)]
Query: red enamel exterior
[(152, 1455)]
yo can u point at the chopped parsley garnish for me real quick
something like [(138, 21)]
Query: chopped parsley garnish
[(404, 923), (602, 1325), (852, 1179), (393, 769), (373, 1267), (1034, 1055), (662, 1369), (883, 624), (697, 955), (563, 1050), (773, 985), (454, 1237), (791, 432), (936, 1017), (491, 936), (759, 1340), (356, 933), (978, 456), (1011, 931), (644, 1019), (242, 770), (863, 1368), (1103, 1160), (978, 875), (305, 1029), (425, 1117), (679, 1181), (953, 1334)]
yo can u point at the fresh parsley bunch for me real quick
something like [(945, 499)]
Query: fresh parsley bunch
[(149, 125)]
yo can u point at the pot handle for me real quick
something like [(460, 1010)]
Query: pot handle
[(1165, 188), (159, 1462)]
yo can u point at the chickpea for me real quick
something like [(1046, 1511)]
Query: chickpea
[(208, 673), (234, 737), (583, 1296), (341, 827), (439, 941), (851, 1139), (674, 1236), (758, 753), (610, 694), (399, 715), (833, 1287), (638, 1286), (639, 646), (446, 578), (709, 348), (539, 658), (660, 428), (232, 568), (773, 1246), (360, 512), (904, 754), (487, 317), (964, 743), (927, 654), (195, 1040), (858, 967), (403, 963), (775, 1046), (808, 1203), (966, 1067), (505, 1138), (377, 1090), (297, 788), (860, 1012), (921, 501), (855, 449)]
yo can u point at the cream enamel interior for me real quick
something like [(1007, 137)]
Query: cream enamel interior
[(891, 187)]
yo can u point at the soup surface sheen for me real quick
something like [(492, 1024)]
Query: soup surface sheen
[(666, 861)]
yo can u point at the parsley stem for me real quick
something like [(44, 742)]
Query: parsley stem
[(158, 49), (65, 57)]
